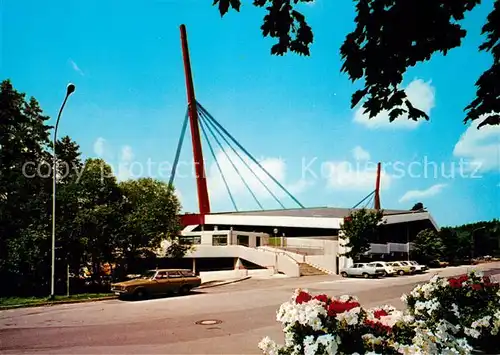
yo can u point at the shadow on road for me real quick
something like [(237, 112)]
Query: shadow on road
[(156, 297)]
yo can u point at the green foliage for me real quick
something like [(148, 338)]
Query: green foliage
[(98, 220), (427, 246), (390, 37), (359, 230), (152, 210), (458, 244)]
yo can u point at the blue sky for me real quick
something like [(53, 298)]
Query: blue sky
[(289, 112)]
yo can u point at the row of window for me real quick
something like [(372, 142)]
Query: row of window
[(217, 240)]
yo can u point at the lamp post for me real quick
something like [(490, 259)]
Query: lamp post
[(473, 241), (69, 90)]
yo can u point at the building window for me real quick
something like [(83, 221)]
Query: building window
[(189, 240), (219, 240), (242, 240)]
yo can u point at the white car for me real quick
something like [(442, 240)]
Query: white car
[(383, 267), (361, 269), (418, 268)]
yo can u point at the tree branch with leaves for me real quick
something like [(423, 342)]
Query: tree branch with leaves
[(390, 37)]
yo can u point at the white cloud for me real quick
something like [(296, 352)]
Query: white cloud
[(360, 154), (481, 147), (422, 96), (125, 169), (275, 166), (76, 67), (100, 146), (348, 176), (417, 195), (127, 153), (179, 196)]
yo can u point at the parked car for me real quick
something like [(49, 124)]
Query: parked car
[(439, 263), (402, 268), (158, 282), (361, 269), (418, 268), (383, 267)]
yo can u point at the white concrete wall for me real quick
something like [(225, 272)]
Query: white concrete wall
[(261, 257), (287, 265), (297, 257), (323, 262), (207, 276)]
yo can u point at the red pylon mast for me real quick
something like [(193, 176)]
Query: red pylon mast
[(201, 181), (377, 188)]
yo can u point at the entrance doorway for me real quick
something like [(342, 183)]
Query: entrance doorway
[(257, 241)]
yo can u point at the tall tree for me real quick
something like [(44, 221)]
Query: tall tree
[(390, 37), (360, 229), (100, 214), (427, 246), (151, 216), (417, 207), (24, 226)]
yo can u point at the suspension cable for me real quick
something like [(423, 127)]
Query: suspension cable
[(214, 121), (202, 125), (240, 157), (178, 152), (360, 202), (369, 202), (204, 120)]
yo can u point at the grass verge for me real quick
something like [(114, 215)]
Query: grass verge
[(14, 302)]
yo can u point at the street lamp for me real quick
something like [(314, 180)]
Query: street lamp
[(473, 241), (69, 90)]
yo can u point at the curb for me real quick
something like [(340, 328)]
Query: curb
[(224, 283), (49, 303)]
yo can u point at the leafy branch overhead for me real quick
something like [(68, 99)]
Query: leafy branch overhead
[(282, 22), (390, 37)]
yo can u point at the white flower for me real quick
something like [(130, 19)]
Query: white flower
[(372, 339), (482, 322), (427, 306), (404, 298), (454, 309), (307, 313), (478, 273), (268, 346), (351, 317), (347, 298), (435, 279), (328, 341), (472, 332)]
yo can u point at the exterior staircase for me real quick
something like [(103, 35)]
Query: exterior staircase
[(309, 270)]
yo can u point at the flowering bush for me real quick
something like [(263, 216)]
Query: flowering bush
[(470, 302), (442, 317)]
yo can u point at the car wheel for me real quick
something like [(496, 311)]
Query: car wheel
[(365, 275), (140, 294), (344, 274), (384, 274), (401, 272), (184, 290)]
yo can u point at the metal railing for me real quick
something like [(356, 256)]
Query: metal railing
[(299, 249)]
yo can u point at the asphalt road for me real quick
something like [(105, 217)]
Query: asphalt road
[(246, 312)]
